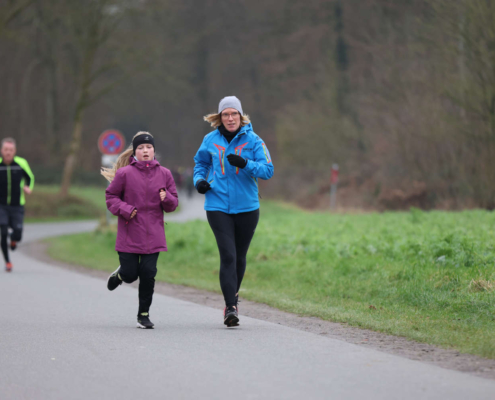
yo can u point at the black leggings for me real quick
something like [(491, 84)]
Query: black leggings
[(142, 266), (16, 237), (233, 233)]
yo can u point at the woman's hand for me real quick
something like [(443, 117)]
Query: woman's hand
[(202, 187), (237, 161), (163, 194), (133, 214)]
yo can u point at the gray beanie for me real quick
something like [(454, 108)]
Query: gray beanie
[(230, 102)]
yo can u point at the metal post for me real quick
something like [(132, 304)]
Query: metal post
[(334, 178), (108, 214), (108, 161)]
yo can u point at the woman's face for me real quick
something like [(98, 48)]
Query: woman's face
[(145, 152), (231, 119)]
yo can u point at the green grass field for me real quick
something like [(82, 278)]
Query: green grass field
[(93, 194), (44, 204), (428, 276)]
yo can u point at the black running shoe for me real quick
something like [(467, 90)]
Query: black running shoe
[(230, 316), (13, 245), (114, 280), (143, 321)]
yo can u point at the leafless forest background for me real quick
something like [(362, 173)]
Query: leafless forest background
[(399, 93)]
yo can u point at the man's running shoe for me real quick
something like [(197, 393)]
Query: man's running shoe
[(8, 267), (114, 280), (13, 245), (143, 321), (230, 316)]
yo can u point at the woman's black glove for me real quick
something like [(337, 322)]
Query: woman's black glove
[(237, 161), (202, 187)]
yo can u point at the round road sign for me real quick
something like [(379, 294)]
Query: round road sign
[(111, 142)]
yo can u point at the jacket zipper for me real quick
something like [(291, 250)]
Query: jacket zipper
[(228, 179), (9, 184), (145, 204), (235, 183)]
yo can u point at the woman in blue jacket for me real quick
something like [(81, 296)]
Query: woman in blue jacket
[(229, 163)]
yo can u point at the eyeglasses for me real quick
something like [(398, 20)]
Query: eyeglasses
[(233, 115)]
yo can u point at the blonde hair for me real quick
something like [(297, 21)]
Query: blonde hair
[(215, 120), (122, 161)]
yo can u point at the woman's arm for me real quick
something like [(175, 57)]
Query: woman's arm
[(113, 196), (171, 200), (262, 166), (203, 162)]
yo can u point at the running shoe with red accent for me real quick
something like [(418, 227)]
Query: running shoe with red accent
[(230, 316), (13, 245), (8, 267)]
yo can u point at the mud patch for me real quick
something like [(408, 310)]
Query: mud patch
[(399, 346)]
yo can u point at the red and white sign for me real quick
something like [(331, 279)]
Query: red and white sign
[(334, 177), (111, 142)]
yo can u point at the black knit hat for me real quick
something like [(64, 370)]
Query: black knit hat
[(142, 139)]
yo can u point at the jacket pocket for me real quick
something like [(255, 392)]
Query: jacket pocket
[(125, 231)]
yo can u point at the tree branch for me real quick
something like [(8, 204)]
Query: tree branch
[(12, 14)]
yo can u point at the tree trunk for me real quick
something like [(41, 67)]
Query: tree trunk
[(82, 104), (52, 115), (70, 161), (461, 60), (25, 101)]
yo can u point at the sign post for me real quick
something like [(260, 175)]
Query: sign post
[(334, 179), (110, 143)]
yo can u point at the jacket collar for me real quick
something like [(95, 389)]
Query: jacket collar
[(143, 164), (245, 129)]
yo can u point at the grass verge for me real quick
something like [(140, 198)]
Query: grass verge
[(46, 205), (427, 276)]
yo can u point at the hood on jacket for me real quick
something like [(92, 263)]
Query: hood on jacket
[(143, 164)]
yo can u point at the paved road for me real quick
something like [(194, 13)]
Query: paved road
[(34, 232), (64, 336), (190, 208)]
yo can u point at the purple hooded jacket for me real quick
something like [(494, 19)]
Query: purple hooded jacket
[(137, 186)]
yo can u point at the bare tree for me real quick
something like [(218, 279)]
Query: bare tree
[(92, 25)]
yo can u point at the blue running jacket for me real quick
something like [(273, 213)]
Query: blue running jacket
[(233, 190)]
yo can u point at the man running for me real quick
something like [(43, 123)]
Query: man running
[(16, 179)]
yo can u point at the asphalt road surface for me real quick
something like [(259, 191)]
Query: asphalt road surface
[(63, 335)]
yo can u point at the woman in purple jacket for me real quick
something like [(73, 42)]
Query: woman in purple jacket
[(140, 191)]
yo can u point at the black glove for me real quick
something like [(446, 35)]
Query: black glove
[(202, 187), (237, 161)]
